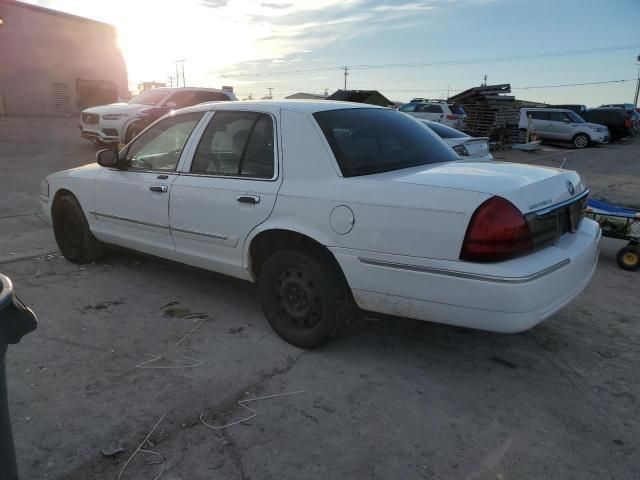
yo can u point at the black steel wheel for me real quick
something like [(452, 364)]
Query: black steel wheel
[(628, 257), (304, 296), (71, 230)]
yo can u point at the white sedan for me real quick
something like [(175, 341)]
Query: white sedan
[(333, 209), (475, 149)]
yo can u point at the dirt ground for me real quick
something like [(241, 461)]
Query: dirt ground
[(114, 359)]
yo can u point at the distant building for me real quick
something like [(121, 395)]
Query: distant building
[(372, 97), (54, 63), (306, 96), (149, 85)]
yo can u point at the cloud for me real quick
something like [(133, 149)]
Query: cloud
[(214, 3), (277, 6)]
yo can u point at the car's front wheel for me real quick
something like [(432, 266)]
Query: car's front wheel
[(581, 140), (71, 230), (305, 297)]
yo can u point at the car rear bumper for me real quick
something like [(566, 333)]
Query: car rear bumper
[(506, 297)]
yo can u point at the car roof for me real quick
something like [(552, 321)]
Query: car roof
[(187, 89), (546, 109), (303, 106)]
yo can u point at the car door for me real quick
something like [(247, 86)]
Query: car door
[(227, 188), (132, 203), (540, 123), (560, 126)]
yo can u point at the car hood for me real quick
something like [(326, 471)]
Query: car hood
[(594, 125), (89, 171), (528, 187), (116, 108)]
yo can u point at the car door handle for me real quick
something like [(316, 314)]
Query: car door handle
[(159, 188), (253, 199)]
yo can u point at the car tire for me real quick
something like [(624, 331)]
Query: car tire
[(71, 230), (131, 133), (581, 140), (628, 257), (305, 297)]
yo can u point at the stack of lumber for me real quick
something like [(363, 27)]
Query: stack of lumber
[(490, 113)]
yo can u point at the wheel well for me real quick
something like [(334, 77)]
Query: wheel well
[(59, 194), (269, 242)]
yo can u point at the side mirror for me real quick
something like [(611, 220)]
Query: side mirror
[(171, 104), (107, 158)]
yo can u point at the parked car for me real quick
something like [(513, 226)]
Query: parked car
[(631, 109), (579, 109), (436, 111), (333, 208), (617, 120), (561, 125), (469, 148), (119, 122)]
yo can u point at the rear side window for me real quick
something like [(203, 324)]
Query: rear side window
[(432, 109), (237, 144), (538, 115), (457, 110), (445, 132), (371, 140)]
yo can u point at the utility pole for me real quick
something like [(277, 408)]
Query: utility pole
[(346, 73), (485, 81), (635, 99), (448, 87), (181, 62), (326, 92), (170, 78), (270, 93)]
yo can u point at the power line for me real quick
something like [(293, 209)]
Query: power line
[(575, 84), (511, 58)]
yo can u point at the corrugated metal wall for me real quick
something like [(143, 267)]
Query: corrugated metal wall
[(43, 53)]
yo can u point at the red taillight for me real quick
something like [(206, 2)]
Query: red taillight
[(452, 117), (627, 123), (497, 231)]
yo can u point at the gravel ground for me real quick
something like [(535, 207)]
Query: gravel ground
[(391, 399)]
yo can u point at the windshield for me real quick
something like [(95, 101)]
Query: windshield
[(371, 140), (575, 118), (445, 132), (149, 97)]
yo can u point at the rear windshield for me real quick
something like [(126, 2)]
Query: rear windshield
[(445, 132), (373, 140), (457, 110)]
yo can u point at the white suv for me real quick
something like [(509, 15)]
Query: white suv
[(557, 124), (435, 110), (117, 123)]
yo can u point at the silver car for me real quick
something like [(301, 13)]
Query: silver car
[(560, 125)]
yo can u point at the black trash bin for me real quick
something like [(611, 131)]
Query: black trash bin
[(16, 320)]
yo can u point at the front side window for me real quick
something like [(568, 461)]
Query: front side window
[(160, 146), (558, 116), (575, 118), (371, 140), (237, 144)]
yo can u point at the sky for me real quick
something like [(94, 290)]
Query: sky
[(404, 48)]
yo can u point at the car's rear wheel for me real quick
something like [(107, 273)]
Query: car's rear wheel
[(581, 140), (71, 230), (305, 298), (628, 257)]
